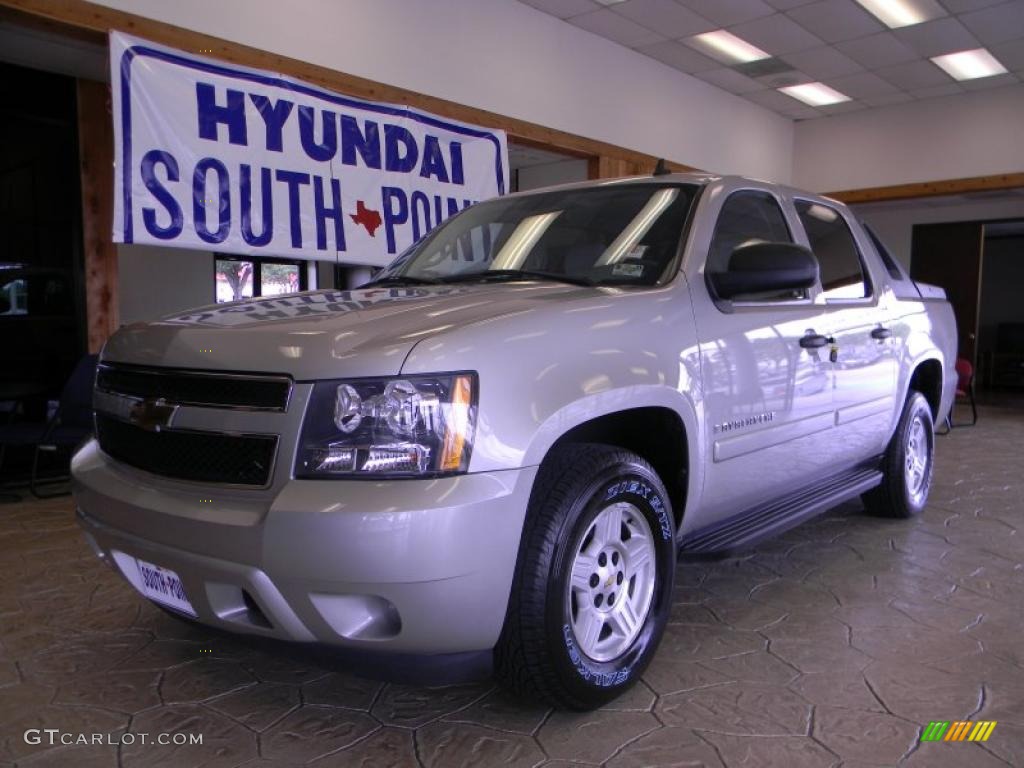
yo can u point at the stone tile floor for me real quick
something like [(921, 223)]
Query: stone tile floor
[(830, 646)]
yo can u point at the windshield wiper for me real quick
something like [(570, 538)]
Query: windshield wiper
[(517, 274), (402, 279)]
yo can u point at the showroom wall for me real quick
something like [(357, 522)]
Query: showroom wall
[(894, 222), (512, 59), (973, 134), (157, 281), (547, 174)]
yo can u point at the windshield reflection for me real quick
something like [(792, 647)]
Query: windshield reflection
[(626, 235)]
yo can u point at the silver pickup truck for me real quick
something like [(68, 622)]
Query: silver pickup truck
[(491, 456)]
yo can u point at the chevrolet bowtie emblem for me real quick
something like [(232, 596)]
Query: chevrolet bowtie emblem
[(152, 415)]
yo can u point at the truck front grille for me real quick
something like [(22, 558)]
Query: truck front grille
[(205, 457), (211, 389)]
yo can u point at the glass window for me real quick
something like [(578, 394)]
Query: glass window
[(749, 216), (623, 234), (233, 280), (842, 274), (276, 278), (237, 279), (37, 293), (14, 296)]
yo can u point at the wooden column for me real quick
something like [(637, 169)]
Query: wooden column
[(96, 162)]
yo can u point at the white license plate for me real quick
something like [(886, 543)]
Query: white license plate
[(163, 586)]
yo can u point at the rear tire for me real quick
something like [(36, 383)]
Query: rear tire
[(593, 584), (907, 464)]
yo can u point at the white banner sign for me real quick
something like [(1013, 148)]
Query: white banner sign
[(222, 158)]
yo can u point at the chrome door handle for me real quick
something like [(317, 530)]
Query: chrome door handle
[(813, 341)]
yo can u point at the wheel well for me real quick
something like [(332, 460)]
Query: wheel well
[(927, 379), (656, 434)]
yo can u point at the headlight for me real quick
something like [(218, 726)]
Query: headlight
[(407, 425)]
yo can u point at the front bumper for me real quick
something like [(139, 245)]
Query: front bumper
[(396, 566)]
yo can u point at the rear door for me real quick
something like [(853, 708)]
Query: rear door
[(858, 319), (767, 400)]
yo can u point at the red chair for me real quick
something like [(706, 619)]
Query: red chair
[(964, 389)]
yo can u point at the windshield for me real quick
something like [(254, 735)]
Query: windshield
[(623, 234)]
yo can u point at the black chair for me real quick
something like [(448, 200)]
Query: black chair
[(70, 425)]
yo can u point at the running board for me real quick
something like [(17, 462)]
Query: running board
[(766, 520)]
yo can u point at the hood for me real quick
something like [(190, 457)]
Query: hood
[(327, 334)]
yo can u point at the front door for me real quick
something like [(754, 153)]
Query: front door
[(767, 399)]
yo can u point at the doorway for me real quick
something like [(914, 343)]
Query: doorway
[(980, 264), (42, 308)]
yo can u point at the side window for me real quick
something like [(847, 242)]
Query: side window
[(842, 273), (749, 216)]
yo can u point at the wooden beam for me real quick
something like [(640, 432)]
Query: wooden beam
[(87, 18), (930, 188), (607, 167), (96, 163)]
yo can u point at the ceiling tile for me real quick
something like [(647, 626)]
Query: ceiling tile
[(840, 108), (730, 80), (915, 75), (1010, 55), (777, 102), (933, 38), (996, 81), (802, 113), (563, 9), (998, 23), (666, 17), (728, 12), (822, 63), (617, 28), (885, 99), (966, 6), (776, 34), (949, 89), (861, 85), (785, 5), (835, 20), (679, 56), (881, 50)]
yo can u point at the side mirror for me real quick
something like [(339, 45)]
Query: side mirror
[(764, 268)]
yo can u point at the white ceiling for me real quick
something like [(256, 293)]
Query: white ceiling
[(836, 42)]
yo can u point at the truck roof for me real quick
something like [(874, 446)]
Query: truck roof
[(696, 177)]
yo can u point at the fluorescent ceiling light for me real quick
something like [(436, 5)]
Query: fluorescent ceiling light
[(725, 46), (815, 94), (519, 244), (970, 65), (903, 13)]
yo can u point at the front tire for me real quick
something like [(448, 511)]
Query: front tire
[(593, 584), (907, 464)]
